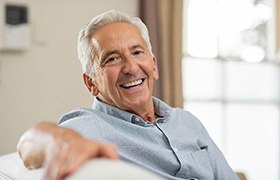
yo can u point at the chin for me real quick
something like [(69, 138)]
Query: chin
[(139, 101)]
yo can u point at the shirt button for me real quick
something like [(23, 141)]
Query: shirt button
[(137, 119)]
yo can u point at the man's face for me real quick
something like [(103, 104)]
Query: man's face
[(126, 70)]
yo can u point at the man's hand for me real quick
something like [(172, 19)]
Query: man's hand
[(61, 150)]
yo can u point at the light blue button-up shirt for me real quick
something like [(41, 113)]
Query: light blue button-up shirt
[(176, 146)]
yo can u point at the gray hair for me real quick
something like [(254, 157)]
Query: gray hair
[(88, 49)]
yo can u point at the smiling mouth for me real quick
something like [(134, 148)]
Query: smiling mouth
[(132, 84)]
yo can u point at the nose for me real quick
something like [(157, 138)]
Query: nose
[(130, 65)]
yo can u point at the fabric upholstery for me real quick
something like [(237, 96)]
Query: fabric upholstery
[(12, 168)]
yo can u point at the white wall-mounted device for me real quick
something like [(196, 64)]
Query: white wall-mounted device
[(14, 26)]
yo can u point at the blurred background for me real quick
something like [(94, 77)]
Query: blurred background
[(231, 80), (227, 69)]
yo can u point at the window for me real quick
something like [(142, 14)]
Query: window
[(231, 81)]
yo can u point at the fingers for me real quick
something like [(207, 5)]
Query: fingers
[(56, 162), (31, 145), (108, 151), (61, 150), (90, 149), (31, 154), (68, 155)]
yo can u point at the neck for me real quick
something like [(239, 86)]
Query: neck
[(149, 117), (147, 113)]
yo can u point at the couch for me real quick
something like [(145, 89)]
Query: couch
[(12, 168)]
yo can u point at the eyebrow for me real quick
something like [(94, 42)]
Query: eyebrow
[(109, 53), (136, 46)]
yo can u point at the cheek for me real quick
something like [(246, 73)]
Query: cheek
[(111, 77)]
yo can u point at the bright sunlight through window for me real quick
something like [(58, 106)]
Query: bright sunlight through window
[(231, 80)]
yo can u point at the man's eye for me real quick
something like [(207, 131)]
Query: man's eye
[(138, 52), (111, 59)]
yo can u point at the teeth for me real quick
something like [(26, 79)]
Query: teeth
[(133, 83)]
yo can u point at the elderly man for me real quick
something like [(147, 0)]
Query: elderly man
[(120, 70)]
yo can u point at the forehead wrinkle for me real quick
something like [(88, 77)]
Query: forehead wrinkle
[(114, 41)]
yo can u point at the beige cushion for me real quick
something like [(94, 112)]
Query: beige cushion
[(12, 168)]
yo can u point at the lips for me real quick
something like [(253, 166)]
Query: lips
[(132, 83)]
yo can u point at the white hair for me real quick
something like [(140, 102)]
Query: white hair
[(88, 49)]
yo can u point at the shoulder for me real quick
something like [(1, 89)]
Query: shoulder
[(88, 122), (78, 113)]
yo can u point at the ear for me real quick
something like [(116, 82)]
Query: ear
[(155, 68), (90, 85)]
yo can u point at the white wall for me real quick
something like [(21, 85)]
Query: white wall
[(45, 81)]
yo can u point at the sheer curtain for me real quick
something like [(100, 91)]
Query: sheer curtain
[(277, 3), (164, 21)]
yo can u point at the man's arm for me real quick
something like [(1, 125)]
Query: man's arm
[(61, 150)]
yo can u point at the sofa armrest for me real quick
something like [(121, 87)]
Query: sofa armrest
[(12, 168)]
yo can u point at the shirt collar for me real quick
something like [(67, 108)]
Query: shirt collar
[(162, 111)]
